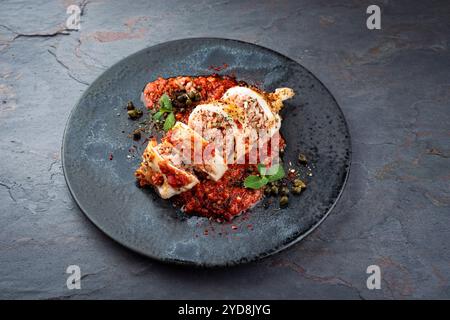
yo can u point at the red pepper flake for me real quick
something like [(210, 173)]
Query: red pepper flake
[(205, 232), (250, 226), (218, 68), (234, 227), (110, 156), (292, 175)]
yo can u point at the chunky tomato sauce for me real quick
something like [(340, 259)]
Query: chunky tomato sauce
[(227, 197), (210, 87)]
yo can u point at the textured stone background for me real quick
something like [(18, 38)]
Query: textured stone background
[(393, 86)]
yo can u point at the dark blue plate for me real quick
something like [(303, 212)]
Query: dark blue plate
[(105, 189)]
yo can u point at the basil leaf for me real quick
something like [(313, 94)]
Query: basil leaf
[(165, 103), (275, 172), (255, 182), (262, 169), (158, 115), (170, 122)]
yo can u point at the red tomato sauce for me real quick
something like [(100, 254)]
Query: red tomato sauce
[(210, 87), (227, 197)]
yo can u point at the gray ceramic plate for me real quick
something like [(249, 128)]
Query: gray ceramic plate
[(105, 189)]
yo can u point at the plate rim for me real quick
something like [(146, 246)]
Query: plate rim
[(295, 239)]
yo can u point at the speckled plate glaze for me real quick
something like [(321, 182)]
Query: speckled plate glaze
[(105, 189)]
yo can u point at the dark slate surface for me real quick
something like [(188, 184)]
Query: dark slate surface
[(392, 84)]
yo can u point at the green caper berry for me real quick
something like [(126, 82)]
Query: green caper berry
[(302, 158), (136, 135), (274, 190), (284, 201), (297, 190), (284, 191), (191, 95), (267, 191), (188, 102), (198, 96), (130, 105), (181, 98), (134, 114), (299, 183)]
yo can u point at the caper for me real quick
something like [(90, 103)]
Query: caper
[(284, 201), (136, 135), (284, 191), (302, 158), (274, 190), (297, 190), (267, 191), (188, 102), (134, 114), (177, 104), (299, 183), (198, 96), (130, 105), (182, 97), (191, 95)]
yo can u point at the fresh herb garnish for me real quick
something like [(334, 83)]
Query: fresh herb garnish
[(158, 115), (170, 122), (165, 103), (165, 106), (255, 182), (274, 173)]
